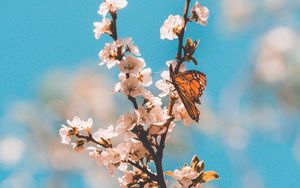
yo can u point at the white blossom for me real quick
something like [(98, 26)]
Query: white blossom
[(180, 113), (111, 6), (185, 175), (151, 99), (126, 179), (102, 27), (110, 54), (126, 123), (172, 27), (131, 65), (131, 47), (107, 133), (65, 135), (75, 123), (145, 76), (200, 13), (165, 85), (132, 87)]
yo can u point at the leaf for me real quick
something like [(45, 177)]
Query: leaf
[(209, 175)]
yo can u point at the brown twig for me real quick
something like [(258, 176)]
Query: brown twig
[(181, 37), (143, 169), (89, 138)]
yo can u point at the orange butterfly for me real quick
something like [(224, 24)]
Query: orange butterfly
[(190, 85)]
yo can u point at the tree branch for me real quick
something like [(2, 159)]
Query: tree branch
[(181, 36)]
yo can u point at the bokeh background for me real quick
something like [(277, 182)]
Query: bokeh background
[(249, 128)]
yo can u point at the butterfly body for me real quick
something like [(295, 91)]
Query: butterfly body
[(190, 85)]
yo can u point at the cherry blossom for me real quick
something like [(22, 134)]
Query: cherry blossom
[(110, 54), (64, 132), (131, 47), (165, 85), (126, 179), (172, 27), (185, 175), (151, 99), (111, 6), (180, 113), (102, 27), (131, 65), (200, 13), (145, 76), (105, 133), (132, 87)]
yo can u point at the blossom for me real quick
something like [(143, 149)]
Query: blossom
[(126, 123), (174, 64), (102, 27), (165, 85), (111, 6), (180, 113), (111, 53), (172, 27), (145, 76), (105, 133), (185, 175), (132, 87), (78, 145), (131, 65), (64, 132), (152, 116), (86, 125), (74, 126), (131, 47), (75, 123), (151, 100), (126, 179), (200, 13)]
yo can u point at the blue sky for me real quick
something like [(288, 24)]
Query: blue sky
[(37, 36)]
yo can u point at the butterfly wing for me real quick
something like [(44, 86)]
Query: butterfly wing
[(190, 86)]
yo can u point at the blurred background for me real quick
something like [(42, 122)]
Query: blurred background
[(249, 126)]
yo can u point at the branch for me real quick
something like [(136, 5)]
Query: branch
[(90, 138), (143, 169), (114, 25), (181, 36)]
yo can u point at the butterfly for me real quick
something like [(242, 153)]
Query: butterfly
[(190, 85)]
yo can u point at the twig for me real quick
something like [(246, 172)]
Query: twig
[(181, 36), (143, 169)]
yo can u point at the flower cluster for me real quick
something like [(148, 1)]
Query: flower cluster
[(138, 137), (193, 175)]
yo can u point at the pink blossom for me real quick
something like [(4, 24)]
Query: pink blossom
[(131, 47), (102, 27), (180, 113), (110, 54), (165, 85), (172, 27), (200, 13), (132, 87), (126, 179), (132, 65), (185, 175), (107, 133), (126, 123), (65, 135), (151, 99), (145, 76), (111, 6)]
